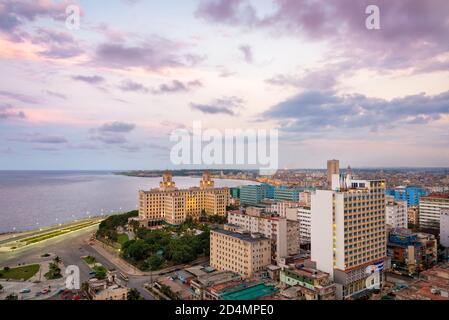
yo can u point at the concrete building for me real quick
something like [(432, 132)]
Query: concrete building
[(430, 210), (283, 193), (305, 224), (252, 195), (284, 233), (444, 228), (410, 194), (348, 234), (280, 207), (333, 167), (174, 206), (243, 253), (107, 289), (411, 252), (396, 213), (413, 216), (305, 198), (312, 284), (432, 285)]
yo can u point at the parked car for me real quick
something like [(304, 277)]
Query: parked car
[(26, 290)]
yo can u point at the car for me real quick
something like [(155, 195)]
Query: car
[(92, 273), (26, 290)]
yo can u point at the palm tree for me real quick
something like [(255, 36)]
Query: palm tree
[(57, 260)]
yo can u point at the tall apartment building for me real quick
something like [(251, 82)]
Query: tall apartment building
[(305, 224), (243, 253), (348, 234), (283, 233), (444, 228), (396, 213), (333, 167), (430, 210), (174, 206)]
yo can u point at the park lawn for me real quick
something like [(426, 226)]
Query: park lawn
[(122, 239), (19, 273)]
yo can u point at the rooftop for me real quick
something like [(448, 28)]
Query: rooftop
[(244, 291), (254, 237), (437, 196)]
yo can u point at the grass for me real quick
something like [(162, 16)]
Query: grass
[(56, 233), (19, 273), (122, 239)]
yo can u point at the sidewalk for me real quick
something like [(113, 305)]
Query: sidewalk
[(111, 255)]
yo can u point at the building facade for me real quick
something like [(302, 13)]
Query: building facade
[(396, 213), (413, 216), (174, 206), (430, 210), (242, 253), (411, 252), (312, 284), (305, 224), (348, 234), (444, 228), (410, 194), (333, 167), (283, 233)]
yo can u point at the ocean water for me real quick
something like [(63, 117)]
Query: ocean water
[(34, 199)]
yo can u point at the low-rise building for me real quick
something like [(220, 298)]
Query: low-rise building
[(244, 253), (240, 290), (312, 284), (432, 285), (106, 289), (411, 252)]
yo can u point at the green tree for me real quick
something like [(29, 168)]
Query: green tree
[(133, 294), (155, 262), (100, 272), (54, 272)]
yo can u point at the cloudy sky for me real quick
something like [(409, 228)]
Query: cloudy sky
[(108, 95)]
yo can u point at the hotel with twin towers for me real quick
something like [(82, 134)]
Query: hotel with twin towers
[(172, 205)]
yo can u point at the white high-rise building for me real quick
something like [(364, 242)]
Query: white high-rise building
[(430, 210), (305, 224), (444, 228), (348, 234), (396, 213)]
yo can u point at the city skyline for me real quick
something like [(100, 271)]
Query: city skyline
[(108, 95)]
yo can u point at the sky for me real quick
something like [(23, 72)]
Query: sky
[(108, 94)]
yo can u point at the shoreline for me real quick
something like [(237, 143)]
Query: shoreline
[(20, 240)]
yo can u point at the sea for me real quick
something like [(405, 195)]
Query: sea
[(35, 199)]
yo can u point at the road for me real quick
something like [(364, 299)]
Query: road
[(70, 249)]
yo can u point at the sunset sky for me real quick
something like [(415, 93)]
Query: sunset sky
[(108, 95)]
